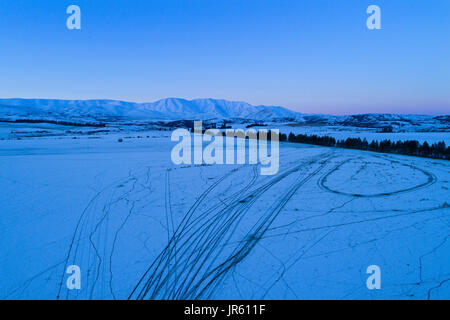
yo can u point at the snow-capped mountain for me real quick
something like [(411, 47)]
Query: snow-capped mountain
[(201, 109), (165, 109)]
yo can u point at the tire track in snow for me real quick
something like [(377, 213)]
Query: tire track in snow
[(431, 179), (199, 249)]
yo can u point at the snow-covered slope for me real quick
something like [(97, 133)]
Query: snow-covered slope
[(396, 121), (171, 108), (202, 109)]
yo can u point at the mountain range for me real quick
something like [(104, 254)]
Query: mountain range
[(199, 109), (165, 109)]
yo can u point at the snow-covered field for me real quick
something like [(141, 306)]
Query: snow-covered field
[(139, 226), (370, 134)]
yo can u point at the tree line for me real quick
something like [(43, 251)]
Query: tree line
[(436, 150), (58, 122)]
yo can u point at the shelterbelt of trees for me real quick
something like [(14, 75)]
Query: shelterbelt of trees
[(409, 147)]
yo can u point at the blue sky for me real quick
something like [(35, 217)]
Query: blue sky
[(313, 56)]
